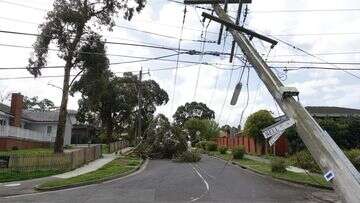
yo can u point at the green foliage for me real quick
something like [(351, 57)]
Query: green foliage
[(116, 167), (211, 146), (113, 104), (67, 25), (238, 153), (28, 152), (203, 129), (189, 156), (192, 110), (304, 160), (256, 122), (35, 104), (18, 175), (278, 165), (223, 150), (201, 145), (345, 132), (354, 156), (162, 140)]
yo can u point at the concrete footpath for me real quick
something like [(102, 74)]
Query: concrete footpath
[(27, 186)]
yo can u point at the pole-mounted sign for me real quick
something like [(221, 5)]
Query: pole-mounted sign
[(276, 130)]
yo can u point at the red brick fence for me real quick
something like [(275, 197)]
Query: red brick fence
[(251, 146)]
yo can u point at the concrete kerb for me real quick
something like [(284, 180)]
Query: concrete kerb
[(283, 180), (132, 172)]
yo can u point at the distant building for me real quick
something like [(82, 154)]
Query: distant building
[(19, 127)]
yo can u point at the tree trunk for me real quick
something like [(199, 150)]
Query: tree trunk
[(59, 141), (109, 131)]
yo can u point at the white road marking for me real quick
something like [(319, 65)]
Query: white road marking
[(206, 173), (12, 185), (204, 181)]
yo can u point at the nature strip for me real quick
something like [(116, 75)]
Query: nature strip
[(142, 164)]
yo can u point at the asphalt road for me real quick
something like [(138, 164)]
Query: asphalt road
[(166, 181)]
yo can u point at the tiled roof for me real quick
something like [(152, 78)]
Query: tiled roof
[(47, 116), (4, 108)]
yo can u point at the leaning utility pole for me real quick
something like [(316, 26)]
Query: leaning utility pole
[(322, 147)]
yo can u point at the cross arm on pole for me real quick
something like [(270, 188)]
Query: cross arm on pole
[(327, 154), (216, 1), (239, 28)]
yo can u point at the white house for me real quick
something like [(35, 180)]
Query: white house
[(32, 125)]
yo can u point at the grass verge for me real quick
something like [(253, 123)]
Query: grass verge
[(116, 168), (17, 175), (28, 152), (315, 180)]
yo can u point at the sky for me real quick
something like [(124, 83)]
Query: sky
[(328, 30)]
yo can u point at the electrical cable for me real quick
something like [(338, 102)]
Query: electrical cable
[(226, 95), (248, 95), (178, 58), (319, 58), (201, 59)]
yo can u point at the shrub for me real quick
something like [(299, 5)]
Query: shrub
[(189, 156), (223, 150), (238, 153), (211, 146), (278, 165), (304, 160), (14, 148), (356, 163), (201, 145), (354, 156)]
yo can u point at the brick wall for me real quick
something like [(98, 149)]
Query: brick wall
[(8, 143), (16, 109)]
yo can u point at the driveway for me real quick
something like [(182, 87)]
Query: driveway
[(165, 181)]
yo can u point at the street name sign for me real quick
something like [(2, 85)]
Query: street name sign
[(276, 130)]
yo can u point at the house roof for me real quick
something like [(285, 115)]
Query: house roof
[(5, 108), (332, 111), (47, 116)]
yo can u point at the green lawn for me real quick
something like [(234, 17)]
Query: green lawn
[(264, 168), (28, 152), (16, 175), (118, 167)]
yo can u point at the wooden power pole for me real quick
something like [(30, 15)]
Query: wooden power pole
[(325, 151)]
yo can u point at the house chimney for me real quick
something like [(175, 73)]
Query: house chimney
[(16, 109)]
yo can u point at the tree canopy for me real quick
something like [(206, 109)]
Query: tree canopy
[(192, 110), (67, 25), (345, 131), (201, 129), (256, 122), (114, 104), (35, 104), (162, 140)]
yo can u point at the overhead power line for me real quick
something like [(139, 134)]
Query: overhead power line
[(22, 5), (123, 43), (307, 10)]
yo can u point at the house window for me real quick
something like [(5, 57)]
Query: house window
[(48, 130)]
